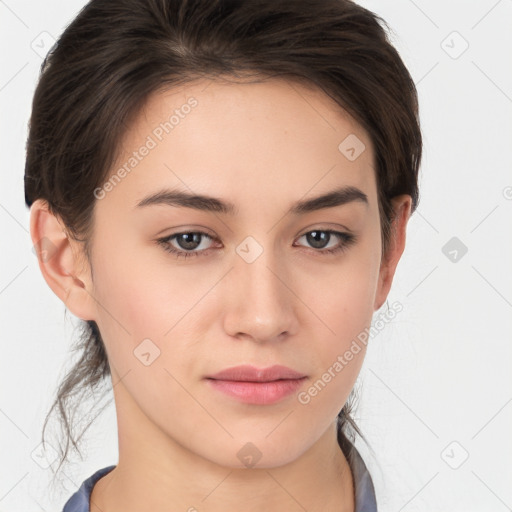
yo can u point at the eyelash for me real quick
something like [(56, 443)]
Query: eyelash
[(348, 239)]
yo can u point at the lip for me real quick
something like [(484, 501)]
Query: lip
[(257, 386), (249, 373)]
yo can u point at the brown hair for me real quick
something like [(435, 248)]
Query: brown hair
[(116, 53)]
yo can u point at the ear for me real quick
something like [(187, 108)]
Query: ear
[(61, 260), (402, 212)]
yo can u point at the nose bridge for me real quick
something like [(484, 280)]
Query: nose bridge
[(261, 305)]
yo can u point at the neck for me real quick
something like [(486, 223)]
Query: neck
[(155, 473)]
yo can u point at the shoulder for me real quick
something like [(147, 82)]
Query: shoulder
[(79, 501)]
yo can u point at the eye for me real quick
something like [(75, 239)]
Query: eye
[(191, 243), (187, 243), (320, 239)]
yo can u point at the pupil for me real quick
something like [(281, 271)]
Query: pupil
[(189, 240), (318, 239)]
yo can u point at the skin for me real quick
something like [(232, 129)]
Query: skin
[(261, 146)]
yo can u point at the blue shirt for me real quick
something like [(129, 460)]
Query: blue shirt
[(364, 491)]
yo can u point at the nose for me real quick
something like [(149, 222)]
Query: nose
[(260, 303)]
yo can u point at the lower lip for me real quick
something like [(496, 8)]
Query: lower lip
[(260, 393)]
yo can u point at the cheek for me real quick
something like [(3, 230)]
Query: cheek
[(342, 297), (340, 352), (149, 314), (147, 334), (344, 308), (139, 289), (350, 303)]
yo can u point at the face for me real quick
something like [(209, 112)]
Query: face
[(183, 290)]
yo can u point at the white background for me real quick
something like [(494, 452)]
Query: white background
[(436, 384)]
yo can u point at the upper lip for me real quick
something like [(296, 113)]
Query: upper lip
[(248, 373)]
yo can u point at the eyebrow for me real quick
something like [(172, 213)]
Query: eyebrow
[(337, 197)]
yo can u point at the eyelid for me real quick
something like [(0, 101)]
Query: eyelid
[(339, 228), (187, 228)]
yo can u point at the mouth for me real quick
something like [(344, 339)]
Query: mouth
[(251, 385)]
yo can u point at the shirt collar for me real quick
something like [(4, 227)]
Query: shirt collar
[(365, 500)]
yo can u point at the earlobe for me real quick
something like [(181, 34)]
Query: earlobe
[(58, 258), (402, 211)]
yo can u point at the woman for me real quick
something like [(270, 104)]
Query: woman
[(220, 191)]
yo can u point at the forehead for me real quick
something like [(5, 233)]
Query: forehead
[(242, 139)]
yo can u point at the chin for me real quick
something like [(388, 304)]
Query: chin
[(261, 454)]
